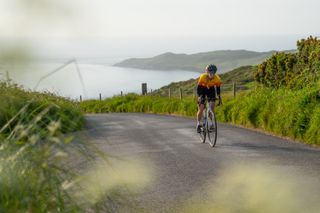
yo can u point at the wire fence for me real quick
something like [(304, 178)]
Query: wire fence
[(181, 93), (178, 92)]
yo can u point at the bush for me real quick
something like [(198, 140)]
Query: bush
[(292, 70)]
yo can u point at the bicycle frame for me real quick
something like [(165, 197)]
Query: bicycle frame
[(205, 126), (206, 113)]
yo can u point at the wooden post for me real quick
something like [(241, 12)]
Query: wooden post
[(100, 97), (144, 88), (169, 92), (234, 89), (121, 93), (80, 98), (8, 76), (180, 93)]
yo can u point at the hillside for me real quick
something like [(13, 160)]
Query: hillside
[(241, 75), (225, 60)]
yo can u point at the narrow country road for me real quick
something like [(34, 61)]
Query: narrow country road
[(182, 166)]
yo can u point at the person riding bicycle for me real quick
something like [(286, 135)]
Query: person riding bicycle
[(209, 83)]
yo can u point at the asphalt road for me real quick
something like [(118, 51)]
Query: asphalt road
[(182, 166)]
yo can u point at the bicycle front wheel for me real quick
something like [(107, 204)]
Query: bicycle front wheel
[(203, 134), (212, 130)]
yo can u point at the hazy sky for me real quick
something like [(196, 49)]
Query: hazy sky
[(164, 25), (113, 18)]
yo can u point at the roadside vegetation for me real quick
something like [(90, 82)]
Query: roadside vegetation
[(284, 98), (20, 106), (144, 104), (295, 114)]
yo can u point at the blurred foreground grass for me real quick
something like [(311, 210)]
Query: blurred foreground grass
[(45, 168)]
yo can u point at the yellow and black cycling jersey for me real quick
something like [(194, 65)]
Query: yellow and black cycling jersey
[(205, 81), (208, 88)]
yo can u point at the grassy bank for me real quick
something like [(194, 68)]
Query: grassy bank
[(145, 104), (295, 114), (19, 106)]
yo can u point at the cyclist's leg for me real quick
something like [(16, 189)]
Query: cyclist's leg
[(201, 92), (200, 111), (212, 98)]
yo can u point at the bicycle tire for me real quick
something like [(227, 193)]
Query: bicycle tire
[(203, 132), (212, 134)]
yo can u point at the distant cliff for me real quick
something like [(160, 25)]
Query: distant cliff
[(226, 60)]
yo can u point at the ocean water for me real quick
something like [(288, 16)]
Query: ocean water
[(97, 78)]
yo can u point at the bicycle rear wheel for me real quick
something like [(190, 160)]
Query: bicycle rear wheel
[(212, 130)]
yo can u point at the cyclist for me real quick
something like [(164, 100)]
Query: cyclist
[(209, 83)]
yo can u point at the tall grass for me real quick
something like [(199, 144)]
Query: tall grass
[(145, 104), (292, 113), (14, 98)]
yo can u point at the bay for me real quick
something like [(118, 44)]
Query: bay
[(97, 78)]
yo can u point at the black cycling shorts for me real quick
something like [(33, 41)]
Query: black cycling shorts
[(204, 92)]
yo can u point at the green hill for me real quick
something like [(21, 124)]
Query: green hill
[(225, 60)]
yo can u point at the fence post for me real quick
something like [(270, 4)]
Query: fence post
[(180, 92), (144, 88), (169, 92), (8, 76), (80, 98), (100, 97), (121, 93), (234, 89)]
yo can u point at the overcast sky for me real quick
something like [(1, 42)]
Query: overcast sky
[(114, 18), (164, 25)]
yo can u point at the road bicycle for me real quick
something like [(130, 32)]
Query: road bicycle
[(209, 126)]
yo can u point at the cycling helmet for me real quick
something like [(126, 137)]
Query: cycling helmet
[(211, 68)]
